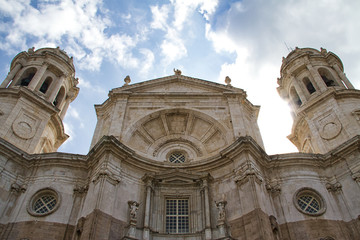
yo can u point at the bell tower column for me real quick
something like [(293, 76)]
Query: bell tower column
[(11, 75)]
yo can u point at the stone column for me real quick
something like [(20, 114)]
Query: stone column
[(298, 89), (36, 79), (63, 111), (11, 75), (146, 232), (56, 88), (207, 210), (68, 100), (318, 80), (343, 77)]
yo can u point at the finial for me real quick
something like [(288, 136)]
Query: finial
[(228, 80), (177, 71), (323, 51), (127, 80), (31, 50)]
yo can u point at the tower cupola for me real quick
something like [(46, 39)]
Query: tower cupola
[(323, 101), (35, 96)]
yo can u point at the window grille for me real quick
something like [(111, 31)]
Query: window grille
[(177, 215), (308, 204), (44, 204), (309, 201), (177, 157)]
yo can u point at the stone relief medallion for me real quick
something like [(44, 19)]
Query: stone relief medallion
[(330, 130), (329, 127), (24, 126)]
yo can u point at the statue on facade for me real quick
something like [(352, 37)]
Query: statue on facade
[(177, 71), (221, 210), (133, 207)]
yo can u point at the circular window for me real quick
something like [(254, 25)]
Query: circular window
[(44, 202), (309, 201), (177, 157)]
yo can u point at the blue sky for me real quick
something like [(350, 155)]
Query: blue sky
[(207, 39)]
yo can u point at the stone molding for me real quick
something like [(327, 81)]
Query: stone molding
[(250, 172)]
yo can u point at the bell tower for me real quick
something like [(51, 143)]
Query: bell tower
[(325, 106), (34, 98)]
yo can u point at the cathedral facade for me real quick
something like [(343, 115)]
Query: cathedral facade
[(179, 157)]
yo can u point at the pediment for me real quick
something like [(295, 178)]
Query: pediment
[(176, 176), (178, 84)]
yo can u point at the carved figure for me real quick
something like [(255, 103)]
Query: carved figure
[(221, 210), (177, 71), (133, 206)]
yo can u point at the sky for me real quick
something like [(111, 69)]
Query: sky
[(206, 39)]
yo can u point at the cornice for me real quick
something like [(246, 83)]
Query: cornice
[(110, 145), (317, 160), (20, 91)]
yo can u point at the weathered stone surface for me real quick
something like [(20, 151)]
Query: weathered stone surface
[(184, 149)]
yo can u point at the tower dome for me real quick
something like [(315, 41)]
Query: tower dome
[(34, 97), (323, 101)]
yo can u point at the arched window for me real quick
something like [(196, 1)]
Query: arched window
[(27, 76), (59, 97), (309, 85), (44, 87), (295, 97), (327, 77)]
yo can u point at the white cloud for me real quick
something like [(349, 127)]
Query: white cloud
[(171, 18), (257, 30), (148, 60), (78, 26), (160, 16), (86, 85)]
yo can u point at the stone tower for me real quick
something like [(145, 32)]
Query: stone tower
[(325, 106), (34, 98)]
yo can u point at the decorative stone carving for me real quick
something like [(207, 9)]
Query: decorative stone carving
[(16, 188), (221, 211), (336, 187), (31, 50), (133, 208), (24, 126), (127, 80), (228, 81), (177, 71), (323, 51), (329, 126), (273, 188), (274, 223), (81, 189), (250, 171), (356, 114), (356, 177), (106, 174)]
